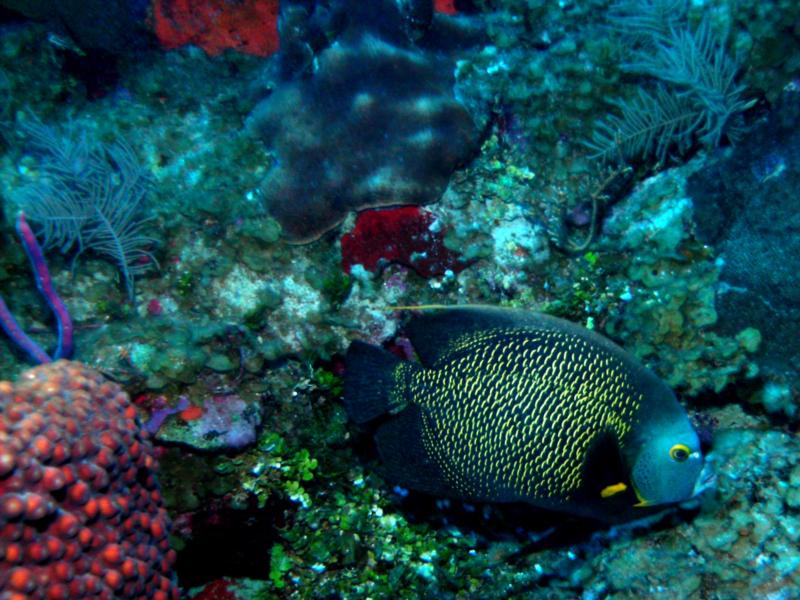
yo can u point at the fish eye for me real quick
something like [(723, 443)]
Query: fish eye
[(679, 452)]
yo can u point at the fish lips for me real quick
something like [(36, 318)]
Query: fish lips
[(707, 479)]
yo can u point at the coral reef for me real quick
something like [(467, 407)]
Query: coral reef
[(80, 511), (666, 311), (343, 531), (746, 206), (761, 532), (272, 493)]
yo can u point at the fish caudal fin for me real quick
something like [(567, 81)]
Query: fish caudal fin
[(374, 382)]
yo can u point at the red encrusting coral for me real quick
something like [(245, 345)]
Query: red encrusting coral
[(192, 413), (407, 235), (155, 308), (217, 590), (81, 515), (249, 26), (447, 7)]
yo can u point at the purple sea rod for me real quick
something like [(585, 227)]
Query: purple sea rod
[(45, 285)]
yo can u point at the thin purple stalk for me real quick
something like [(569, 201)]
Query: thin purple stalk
[(20, 338), (45, 284), (158, 416)]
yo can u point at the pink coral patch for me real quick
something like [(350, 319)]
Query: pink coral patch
[(447, 7), (249, 26), (406, 235)]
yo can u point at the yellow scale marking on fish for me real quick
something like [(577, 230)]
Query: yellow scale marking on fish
[(523, 393)]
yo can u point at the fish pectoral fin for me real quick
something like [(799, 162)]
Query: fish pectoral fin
[(642, 503), (405, 459), (613, 490)]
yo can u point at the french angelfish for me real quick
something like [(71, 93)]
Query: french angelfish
[(513, 406)]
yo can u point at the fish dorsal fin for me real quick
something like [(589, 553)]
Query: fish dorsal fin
[(434, 329)]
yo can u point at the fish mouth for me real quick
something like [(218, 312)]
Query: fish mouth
[(705, 481)]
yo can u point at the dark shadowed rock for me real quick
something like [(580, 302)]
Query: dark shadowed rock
[(748, 206), (113, 26)]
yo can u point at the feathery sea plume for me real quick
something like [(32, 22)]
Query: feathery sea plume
[(90, 197), (693, 95)]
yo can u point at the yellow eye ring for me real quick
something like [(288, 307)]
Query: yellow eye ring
[(679, 452)]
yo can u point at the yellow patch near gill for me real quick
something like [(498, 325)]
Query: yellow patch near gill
[(613, 490)]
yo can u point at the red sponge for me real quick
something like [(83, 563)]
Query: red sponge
[(407, 235), (81, 515), (249, 26)]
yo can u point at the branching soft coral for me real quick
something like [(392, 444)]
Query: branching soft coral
[(695, 97), (89, 197)]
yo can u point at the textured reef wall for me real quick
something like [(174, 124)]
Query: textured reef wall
[(747, 207), (112, 27)]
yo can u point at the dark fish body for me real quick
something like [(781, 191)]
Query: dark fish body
[(513, 406)]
